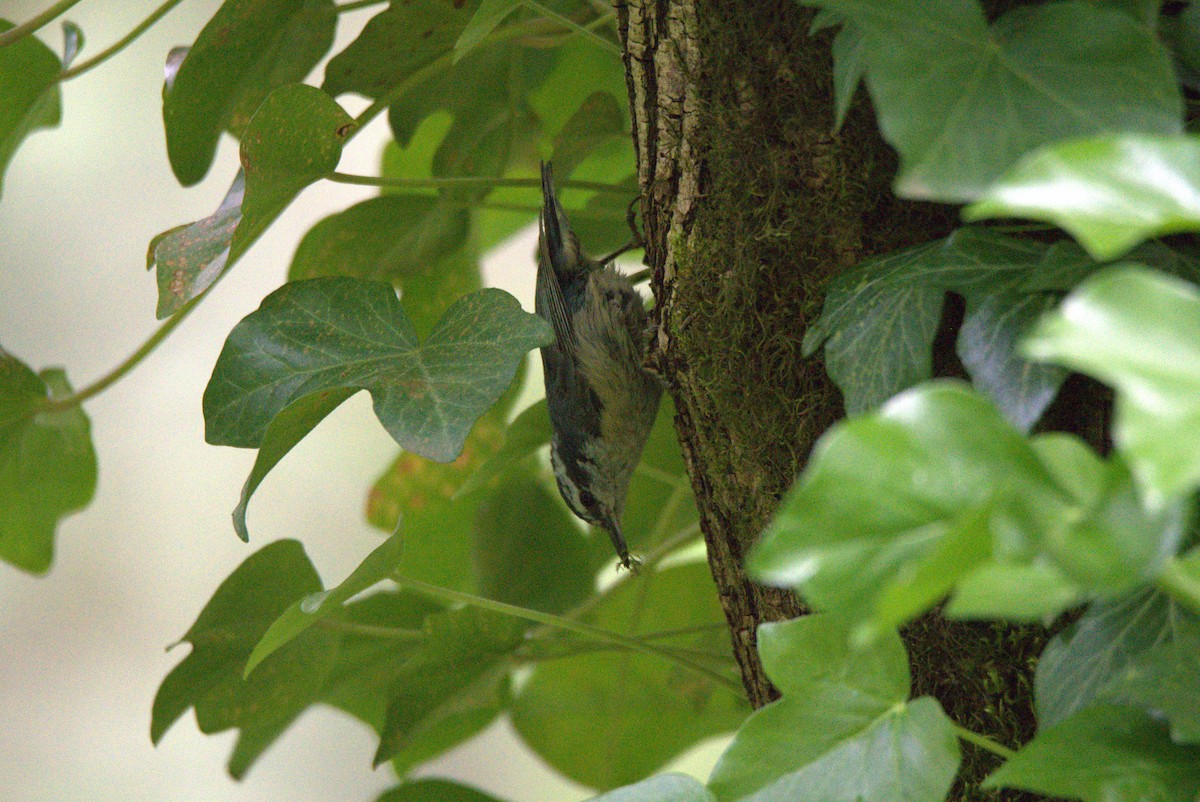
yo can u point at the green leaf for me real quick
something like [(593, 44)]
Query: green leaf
[(610, 718), (871, 351), (449, 687), (72, 42), (992, 328), (439, 528), (395, 44), (599, 121), (247, 49), (660, 788), (386, 238), (528, 433), (856, 526), (29, 93), (1140, 650), (210, 678), (434, 791), (1139, 332), (843, 731), (295, 138), (331, 333), (528, 551), (880, 318), (47, 463), (1102, 754), (849, 67), (303, 613), (1109, 192), (489, 15), (287, 429), (379, 632), (992, 93)]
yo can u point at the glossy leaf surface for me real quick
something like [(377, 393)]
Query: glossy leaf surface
[(1110, 193), (1102, 329), (248, 48), (844, 730), (322, 334), (991, 93)]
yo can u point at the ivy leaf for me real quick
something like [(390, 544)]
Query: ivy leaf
[(992, 93), (1104, 753), (381, 630), (332, 333), (856, 528), (844, 730), (295, 138), (1139, 332), (450, 686), (72, 42), (1141, 650), (849, 67), (29, 95), (386, 238), (598, 121), (1109, 192), (606, 719), (880, 319), (47, 463), (528, 432), (210, 678), (246, 50), (302, 614), (191, 257), (987, 344), (395, 44), (528, 551), (660, 788), (288, 428), (439, 529), (871, 351), (487, 17), (434, 790)]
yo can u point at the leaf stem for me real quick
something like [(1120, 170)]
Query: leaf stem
[(983, 742), (355, 5), (1179, 584), (469, 181), (557, 622), (567, 22), (132, 361), (19, 32), (121, 43)]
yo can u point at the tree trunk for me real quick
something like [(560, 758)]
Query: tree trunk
[(750, 204)]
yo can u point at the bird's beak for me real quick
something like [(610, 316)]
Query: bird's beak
[(611, 523)]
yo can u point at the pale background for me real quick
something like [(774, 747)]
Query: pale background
[(83, 648)]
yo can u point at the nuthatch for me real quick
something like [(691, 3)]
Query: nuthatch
[(602, 401)]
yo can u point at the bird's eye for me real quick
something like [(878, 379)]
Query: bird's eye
[(587, 499)]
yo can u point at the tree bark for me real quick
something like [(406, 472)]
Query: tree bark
[(750, 203)]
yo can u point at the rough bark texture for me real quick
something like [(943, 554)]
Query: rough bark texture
[(750, 204)]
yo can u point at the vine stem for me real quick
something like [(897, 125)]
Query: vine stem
[(469, 181), (983, 742), (120, 44), (567, 22), (116, 374), (29, 26), (557, 622), (357, 4)]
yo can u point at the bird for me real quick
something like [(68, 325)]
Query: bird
[(601, 400)]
